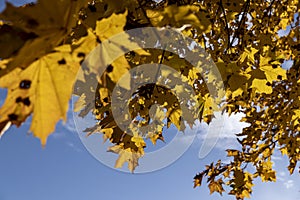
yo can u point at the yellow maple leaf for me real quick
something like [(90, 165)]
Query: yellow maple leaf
[(176, 16), (261, 86), (248, 53), (273, 70), (125, 155), (43, 88), (108, 27), (216, 186)]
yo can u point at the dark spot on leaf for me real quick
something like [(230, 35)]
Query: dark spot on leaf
[(124, 48), (274, 66), (109, 68), (92, 8), (32, 23), (19, 99), (13, 117), (80, 55), (105, 7), (268, 84), (105, 100), (62, 61), (25, 84), (26, 101), (279, 77)]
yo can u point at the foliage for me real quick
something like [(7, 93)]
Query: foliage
[(43, 44)]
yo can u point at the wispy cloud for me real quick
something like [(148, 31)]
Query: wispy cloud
[(70, 125), (289, 184), (276, 158), (281, 176), (225, 128), (219, 135), (58, 135), (64, 128)]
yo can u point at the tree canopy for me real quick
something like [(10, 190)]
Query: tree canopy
[(44, 44)]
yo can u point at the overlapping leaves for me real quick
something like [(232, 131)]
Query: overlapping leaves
[(42, 46)]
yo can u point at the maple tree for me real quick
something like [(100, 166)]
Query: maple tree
[(43, 44)]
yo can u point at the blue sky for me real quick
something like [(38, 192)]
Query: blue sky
[(64, 170)]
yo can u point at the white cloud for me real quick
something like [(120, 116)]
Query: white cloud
[(275, 158), (70, 125), (289, 184), (224, 127), (281, 176), (64, 128), (282, 173), (220, 134), (58, 135)]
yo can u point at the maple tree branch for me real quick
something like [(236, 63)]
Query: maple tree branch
[(245, 11), (226, 26)]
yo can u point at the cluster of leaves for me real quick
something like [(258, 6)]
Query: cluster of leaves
[(250, 55), (43, 45)]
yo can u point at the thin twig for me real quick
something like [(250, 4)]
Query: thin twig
[(240, 22), (226, 26)]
